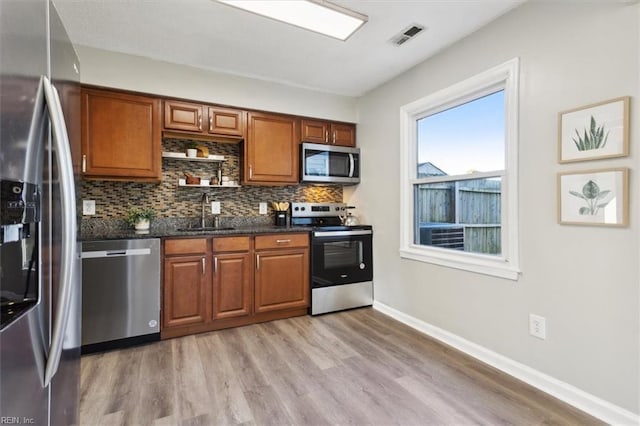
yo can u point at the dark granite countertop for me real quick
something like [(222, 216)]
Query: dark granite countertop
[(123, 234)]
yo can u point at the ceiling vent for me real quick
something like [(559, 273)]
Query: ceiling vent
[(407, 34)]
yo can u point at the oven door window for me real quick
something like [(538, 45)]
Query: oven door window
[(342, 254), (341, 260)]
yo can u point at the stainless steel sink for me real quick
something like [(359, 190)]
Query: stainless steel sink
[(206, 228)]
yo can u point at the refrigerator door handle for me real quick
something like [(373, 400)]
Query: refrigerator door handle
[(68, 244)]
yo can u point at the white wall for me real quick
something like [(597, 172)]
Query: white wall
[(117, 70), (584, 280)]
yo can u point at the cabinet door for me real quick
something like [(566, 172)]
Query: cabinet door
[(225, 121), (231, 285), (271, 149), (343, 134), (314, 131), (183, 116), (121, 136), (185, 289), (281, 280)]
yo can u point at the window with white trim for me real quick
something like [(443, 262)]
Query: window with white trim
[(459, 175)]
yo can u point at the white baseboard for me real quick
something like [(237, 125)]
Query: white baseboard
[(584, 401)]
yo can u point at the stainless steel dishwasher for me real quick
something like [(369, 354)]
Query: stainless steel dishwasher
[(120, 293)]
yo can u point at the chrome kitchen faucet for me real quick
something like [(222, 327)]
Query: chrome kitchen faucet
[(205, 203)]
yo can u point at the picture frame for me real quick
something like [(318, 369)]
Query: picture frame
[(594, 197), (595, 131)]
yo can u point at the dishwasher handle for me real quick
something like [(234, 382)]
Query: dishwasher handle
[(115, 253)]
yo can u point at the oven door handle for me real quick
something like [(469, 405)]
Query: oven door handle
[(320, 234)]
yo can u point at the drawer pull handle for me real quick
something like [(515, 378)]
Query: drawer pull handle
[(199, 122), (215, 265), (282, 241), (258, 262), (203, 263), (84, 164), (326, 136), (211, 124)]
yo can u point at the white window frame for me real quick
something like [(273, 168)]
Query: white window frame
[(505, 265)]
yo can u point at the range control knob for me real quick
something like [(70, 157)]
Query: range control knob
[(296, 209)]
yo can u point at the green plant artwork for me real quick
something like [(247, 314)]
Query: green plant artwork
[(593, 196), (594, 139)]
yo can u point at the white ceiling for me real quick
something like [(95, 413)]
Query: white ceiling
[(210, 35)]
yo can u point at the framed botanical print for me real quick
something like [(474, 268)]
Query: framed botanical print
[(594, 197), (594, 131)]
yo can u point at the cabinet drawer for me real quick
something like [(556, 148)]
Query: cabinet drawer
[(185, 246), (281, 241), (231, 244)]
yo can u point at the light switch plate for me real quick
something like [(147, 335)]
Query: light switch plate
[(263, 208), (215, 207), (88, 207)]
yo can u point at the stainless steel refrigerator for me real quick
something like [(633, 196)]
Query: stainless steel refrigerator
[(39, 249)]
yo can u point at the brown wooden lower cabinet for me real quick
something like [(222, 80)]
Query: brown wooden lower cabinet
[(281, 280), (232, 285), (220, 282), (184, 291)]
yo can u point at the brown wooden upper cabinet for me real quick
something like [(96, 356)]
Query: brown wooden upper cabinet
[(204, 119), (327, 132), (271, 150), (121, 136)]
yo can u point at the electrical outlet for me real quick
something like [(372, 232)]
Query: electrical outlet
[(215, 207), (537, 326), (263, 208), (88, 207)]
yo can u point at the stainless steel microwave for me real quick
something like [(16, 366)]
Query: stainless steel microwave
[(329, 164)]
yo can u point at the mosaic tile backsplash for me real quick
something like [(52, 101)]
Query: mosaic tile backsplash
[(171, 201)]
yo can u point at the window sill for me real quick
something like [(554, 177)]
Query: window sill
[(464, 261)]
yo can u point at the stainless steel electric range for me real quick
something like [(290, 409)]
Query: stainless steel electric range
[(341, 257)]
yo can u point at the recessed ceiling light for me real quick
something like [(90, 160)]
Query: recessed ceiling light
[(315, 15)]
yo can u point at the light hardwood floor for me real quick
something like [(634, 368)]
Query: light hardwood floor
[(357, 367)]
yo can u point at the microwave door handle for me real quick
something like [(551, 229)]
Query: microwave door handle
[(351, 165)]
